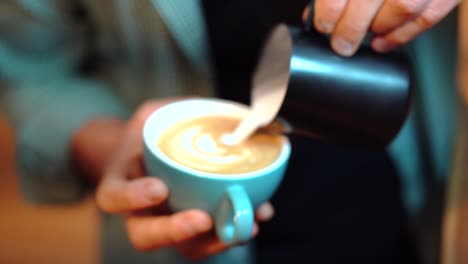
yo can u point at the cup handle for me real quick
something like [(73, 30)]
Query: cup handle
[(234, 217)]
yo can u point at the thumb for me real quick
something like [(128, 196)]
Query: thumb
[(117, 192)]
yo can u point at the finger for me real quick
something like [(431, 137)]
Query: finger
[(433, 13), (395, 13), (206, 245), (265, 212), (127, 159), (115, 196), (149, 233), (130, 150), (131, 146), (326, 14), (353, 25), (116, 193)]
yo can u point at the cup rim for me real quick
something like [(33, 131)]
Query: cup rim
[(150, 142)]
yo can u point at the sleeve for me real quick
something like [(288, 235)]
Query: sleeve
[(43, 97)]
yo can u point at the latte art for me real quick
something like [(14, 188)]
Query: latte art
[(197, 143)]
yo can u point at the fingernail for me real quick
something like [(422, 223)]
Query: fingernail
[(381, 45), (155, 191), (342, 47)]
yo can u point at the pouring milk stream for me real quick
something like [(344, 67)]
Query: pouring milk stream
[(269, 85)]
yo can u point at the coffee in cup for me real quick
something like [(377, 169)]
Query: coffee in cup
[(198, 143)]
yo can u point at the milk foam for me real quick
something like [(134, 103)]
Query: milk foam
[(198, 144)]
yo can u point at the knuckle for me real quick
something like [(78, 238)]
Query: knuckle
[(397, 39), (145, 110), (408, 8), (427, 19), (354, 29), (352, 32), (137, 243), (135, 236), (333, 7), (101, 200), (180, 231), (148, 105)]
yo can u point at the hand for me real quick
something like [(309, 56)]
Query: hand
[(141, 199), (393, 22)]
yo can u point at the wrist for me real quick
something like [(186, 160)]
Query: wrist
[(93, 144)]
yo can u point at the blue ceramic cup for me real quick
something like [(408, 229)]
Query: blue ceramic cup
[(229, 199)]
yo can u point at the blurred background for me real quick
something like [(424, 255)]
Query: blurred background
[(42, 234)]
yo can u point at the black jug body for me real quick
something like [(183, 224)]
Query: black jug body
[(363, 100)]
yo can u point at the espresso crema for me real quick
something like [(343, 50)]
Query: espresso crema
[(197, 144)]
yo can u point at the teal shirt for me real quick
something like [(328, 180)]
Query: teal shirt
[(423, 151), (42, 45), (148, 49)]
